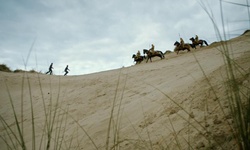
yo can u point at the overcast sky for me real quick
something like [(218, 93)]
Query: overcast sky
[(98, 35)]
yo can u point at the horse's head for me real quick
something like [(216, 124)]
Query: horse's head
[(192, 39), (133, 56), (145, 51), (176, 43)]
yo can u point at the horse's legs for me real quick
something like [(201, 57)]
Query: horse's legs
[(205, 42), (193, 45)]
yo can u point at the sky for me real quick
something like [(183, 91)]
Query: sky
[(99, 35)]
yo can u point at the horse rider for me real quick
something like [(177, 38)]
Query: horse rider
[(138, 54), (196, 38), (152, 49), (181, 42)]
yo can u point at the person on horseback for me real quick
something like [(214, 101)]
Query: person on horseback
[(152, 49), (138, 54), (196, 38), (181, 43)]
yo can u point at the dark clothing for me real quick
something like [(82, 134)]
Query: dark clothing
[(66, 70), (50, 69)]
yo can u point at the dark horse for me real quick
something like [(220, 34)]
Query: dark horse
[(138, 60), (200, 42), (150, 54), (178, 47)]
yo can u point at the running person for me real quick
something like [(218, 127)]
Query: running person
[(50, 69), (66, 70)]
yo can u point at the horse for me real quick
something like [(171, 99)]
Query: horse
[(178, 47), (138, 60), (150, 54), (200, 42), (192, 45)]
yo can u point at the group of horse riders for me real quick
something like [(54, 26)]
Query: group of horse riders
[(182, 41), (152, 49)]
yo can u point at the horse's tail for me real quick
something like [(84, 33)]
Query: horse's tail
[(161, 53), (205, 42)]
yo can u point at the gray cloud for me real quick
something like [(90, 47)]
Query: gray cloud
[(95, 35)]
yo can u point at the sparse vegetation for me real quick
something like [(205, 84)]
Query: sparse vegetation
[(21, 71), (4, 68), (238, 95)]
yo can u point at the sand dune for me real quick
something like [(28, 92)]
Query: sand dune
[(168, 103)]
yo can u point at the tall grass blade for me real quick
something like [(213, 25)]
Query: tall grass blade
[(81, 128), (244, 5), (119, 116), (137, 133), (144, 116), (21, 142), (9, 132), (32, 116), (112, 111)]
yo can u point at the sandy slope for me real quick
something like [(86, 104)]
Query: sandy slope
[(164, 104)]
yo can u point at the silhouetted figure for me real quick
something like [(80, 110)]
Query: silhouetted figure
[(50, 69), (66, 70)]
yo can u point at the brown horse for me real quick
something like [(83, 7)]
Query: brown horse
[(150, 54), (200, 42), (139, 59), (178, 47)]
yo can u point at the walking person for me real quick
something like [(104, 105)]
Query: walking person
[(66, 70), (50, 69)]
